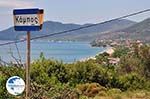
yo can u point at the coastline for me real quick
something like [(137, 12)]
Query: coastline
[(108, 50)]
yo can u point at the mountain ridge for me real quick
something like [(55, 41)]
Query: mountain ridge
[(49, 27)]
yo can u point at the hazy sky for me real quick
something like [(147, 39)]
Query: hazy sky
[(75, 11)]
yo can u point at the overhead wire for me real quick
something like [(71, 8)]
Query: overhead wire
[(75, 29)]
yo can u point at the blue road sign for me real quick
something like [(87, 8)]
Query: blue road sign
[(28, 19)]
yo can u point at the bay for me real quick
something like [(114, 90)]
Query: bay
[(67, 52)]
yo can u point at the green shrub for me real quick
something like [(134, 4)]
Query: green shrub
[(132, 81), (120, 51), (43, 69), (86, 72)]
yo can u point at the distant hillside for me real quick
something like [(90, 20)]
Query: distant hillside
[(140, 27), (49, 27), (139, 31)]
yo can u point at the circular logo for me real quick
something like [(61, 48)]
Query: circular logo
[(15, 85)]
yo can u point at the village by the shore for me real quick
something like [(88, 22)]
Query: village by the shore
[(110, 46)]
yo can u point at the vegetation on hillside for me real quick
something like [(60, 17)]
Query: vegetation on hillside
[(51, 79), (139, 31)]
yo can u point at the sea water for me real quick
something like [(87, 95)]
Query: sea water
[(63, 51)]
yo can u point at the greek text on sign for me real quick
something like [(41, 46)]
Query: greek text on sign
[(27, 20)]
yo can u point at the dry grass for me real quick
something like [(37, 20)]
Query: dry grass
[(124, 95), (128, 95)]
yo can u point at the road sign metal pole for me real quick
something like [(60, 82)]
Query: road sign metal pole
[(28, 67)]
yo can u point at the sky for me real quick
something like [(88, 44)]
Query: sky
[(75, 11)]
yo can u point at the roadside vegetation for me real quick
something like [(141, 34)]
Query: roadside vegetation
[(91, 79)]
